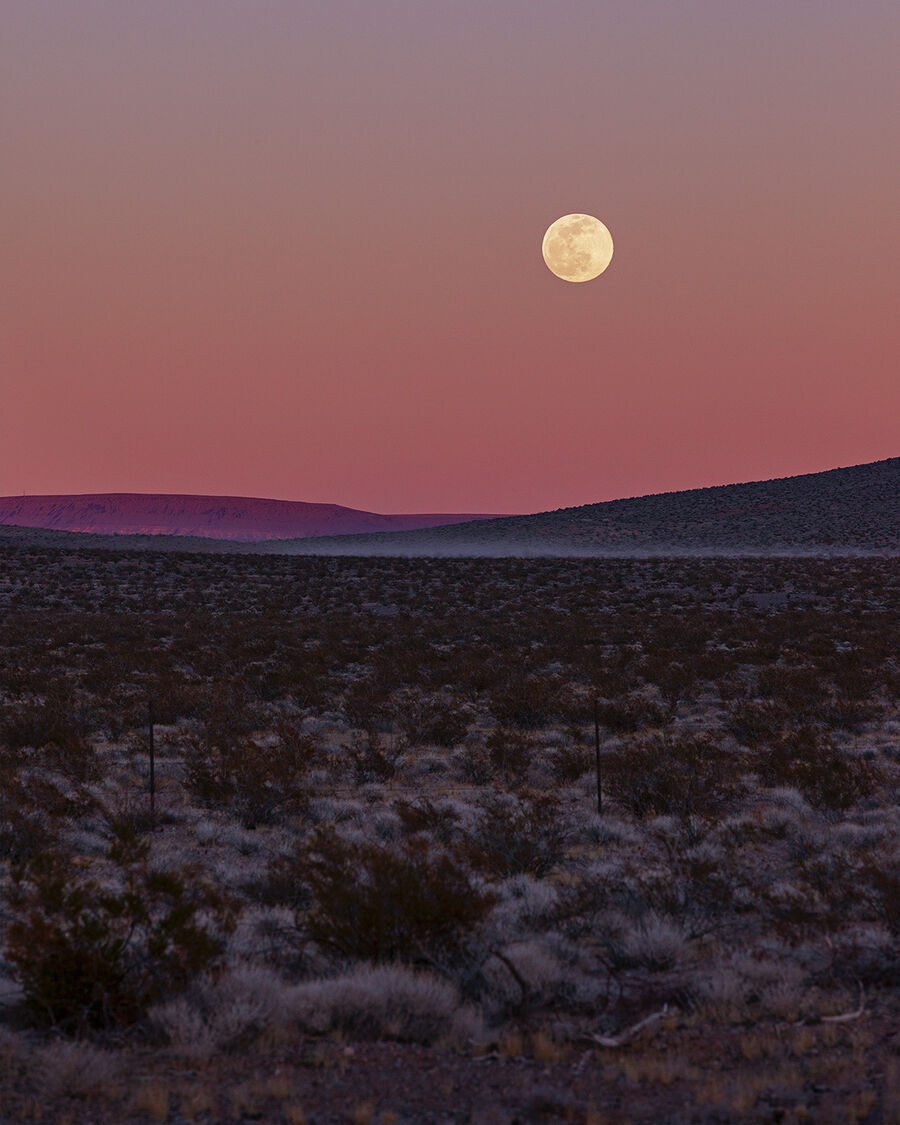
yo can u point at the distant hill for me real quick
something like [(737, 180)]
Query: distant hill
[(239, 518), (841, 511), (847, 511)]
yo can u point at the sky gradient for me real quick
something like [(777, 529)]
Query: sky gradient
[(292, 248)]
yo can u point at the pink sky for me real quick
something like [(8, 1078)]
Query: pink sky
[(293, 250)]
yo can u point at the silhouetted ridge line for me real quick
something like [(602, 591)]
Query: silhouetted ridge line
[(847, 510), (853, 510), (240, 518)]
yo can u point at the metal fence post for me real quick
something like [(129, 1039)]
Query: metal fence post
[(597, 756), (152, 764)]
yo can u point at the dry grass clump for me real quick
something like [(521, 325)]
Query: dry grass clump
[(531, 976), (73, 1068), (368, 1002), (387, 1002), (225, 1012), (154, 1100), (654, 942), (12, 1050)]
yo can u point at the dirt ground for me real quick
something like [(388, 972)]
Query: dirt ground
[(678, 1072)]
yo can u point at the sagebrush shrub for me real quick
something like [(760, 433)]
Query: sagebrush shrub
[(428, 719), (683, 776), (88, 955), (674, 678), (260, 781), (474, 763), (374, 757), (367, 706), (801, 690), (423, 815), (523, 835), (227, 711), (572, 760), (630, 713), (24, 829), (882, 881), (379, 902), (54, 736), (38, 724), (510, 753), (525, 701), (756, 724), (807, 759)]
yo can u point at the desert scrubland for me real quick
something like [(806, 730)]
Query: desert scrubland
[(376, 886)]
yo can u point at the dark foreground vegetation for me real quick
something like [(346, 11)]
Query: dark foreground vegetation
[(375, 884)]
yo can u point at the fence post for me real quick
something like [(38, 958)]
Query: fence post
[(152, 764), (597, 756)]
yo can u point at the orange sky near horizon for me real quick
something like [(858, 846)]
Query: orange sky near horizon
[(293, 250)]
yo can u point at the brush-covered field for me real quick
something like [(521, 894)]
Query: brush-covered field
[(376, 886)]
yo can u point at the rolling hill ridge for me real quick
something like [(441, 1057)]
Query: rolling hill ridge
[(846, 511), (840, 511), (243, 519)]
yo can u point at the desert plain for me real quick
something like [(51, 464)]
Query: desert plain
[(374, 883)]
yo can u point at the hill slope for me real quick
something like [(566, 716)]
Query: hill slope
[(850, 510), (854, 510), (244, 519)]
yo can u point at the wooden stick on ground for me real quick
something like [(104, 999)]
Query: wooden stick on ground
[(629, 1033), (848, 1016)]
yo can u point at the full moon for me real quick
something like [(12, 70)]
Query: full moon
[(577, 247)]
